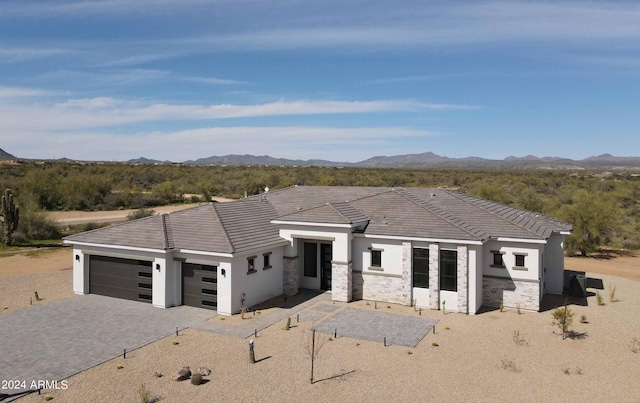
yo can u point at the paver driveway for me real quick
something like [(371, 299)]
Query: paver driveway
[(61, 338)]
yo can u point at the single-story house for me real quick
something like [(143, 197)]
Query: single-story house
[(430, 247)]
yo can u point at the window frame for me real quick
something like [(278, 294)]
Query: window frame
[(376, 259), (446, 266), (266, 264), (516, 264), (421, 283), (499, 265), (251, 265)]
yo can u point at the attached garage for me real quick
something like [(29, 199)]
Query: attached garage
[(120, 278), (200, 285)]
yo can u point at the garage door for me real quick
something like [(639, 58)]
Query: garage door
[(200, 285), (120, 278)]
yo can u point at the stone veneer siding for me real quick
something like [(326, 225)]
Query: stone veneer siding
[(357, 287), (511, 293), (463, 279), (341, 281), (290, 275), (384, 287), (434, 278)]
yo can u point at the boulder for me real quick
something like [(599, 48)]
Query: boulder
[(182, 374), (204, 371)]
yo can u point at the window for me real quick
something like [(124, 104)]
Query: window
[(376, 258), (520, 260), (421, 268), (310, 259), (266, 264), (448, 270), (498, 261), (251, 266)]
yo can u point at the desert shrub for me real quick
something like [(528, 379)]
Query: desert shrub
[(563, 319), (612, 293), (196, 379), (34, 224), (510, 365), (635, 345), (519, 339), (140, 213), (583, 319), (599, 299), (144, 396)]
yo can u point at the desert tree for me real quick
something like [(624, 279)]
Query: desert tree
[(563, 319), (594, 217), (312, 345)]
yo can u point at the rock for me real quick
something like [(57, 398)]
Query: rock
[(204, 371), (182, 374), (196, 379)]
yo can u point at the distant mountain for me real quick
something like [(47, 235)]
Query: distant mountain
[(422, 160), (143, 160), (5, 156), (247, 159), (432, 160)]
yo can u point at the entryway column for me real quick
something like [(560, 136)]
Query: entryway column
[(290, 275), (341, 282), (434, 276), (463, 279)]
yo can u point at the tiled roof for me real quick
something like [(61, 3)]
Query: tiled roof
[(330, 213), (148, 233), (246, 224)]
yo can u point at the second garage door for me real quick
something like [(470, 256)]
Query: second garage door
[(200, 285), (120, 278)]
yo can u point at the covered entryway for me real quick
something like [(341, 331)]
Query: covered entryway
[(200, 285), (120, 278)]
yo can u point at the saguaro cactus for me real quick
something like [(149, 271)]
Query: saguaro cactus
[(10, 214)]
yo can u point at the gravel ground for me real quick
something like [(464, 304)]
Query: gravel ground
[(494, 356)]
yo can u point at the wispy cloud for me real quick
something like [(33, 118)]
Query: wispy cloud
[(22, 54), (213, 80), (17, 92)]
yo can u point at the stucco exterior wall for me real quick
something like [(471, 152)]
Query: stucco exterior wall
[(533, 259), (389, 283), (475, 278), (80, 272), (258, 286), (554, 264)]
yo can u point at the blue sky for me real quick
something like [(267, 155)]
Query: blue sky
[(339, 80)]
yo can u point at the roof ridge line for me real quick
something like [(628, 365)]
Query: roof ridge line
[(457, 196), (167, 231), (338, 211), (216, 216), (437, 211)]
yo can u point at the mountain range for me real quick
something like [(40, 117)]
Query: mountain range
[(431, 160), (422, 160)]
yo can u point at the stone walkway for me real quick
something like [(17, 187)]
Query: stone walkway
[(268, 316), (400, 330)]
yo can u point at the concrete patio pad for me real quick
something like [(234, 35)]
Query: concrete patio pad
[(400, 330)]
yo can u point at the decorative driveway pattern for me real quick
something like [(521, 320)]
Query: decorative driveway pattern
[(59, 339), (401, 330)]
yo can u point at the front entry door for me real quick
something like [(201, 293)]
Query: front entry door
[(326, 255)]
